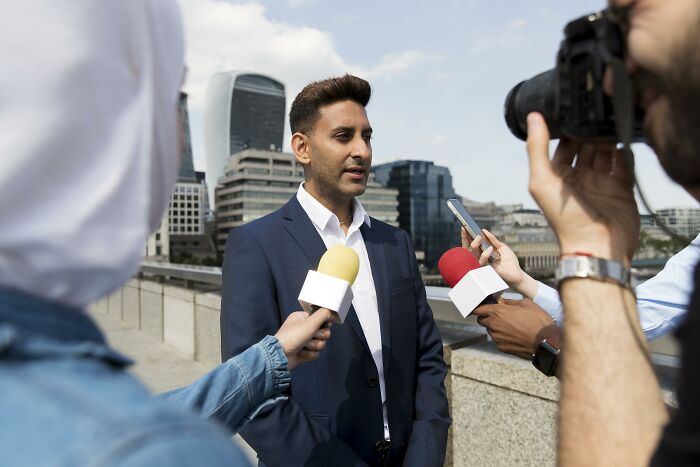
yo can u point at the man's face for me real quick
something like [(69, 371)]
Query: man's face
[(340, 152), (664, 58)]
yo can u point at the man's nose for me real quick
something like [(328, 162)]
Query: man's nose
[(360, 148)]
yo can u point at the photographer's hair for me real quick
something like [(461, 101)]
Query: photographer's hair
[(305, 109)]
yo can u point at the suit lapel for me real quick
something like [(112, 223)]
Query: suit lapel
[(380, 274), (305, 235), (303, 232)]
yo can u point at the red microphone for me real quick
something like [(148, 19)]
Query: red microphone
[(471, 283)]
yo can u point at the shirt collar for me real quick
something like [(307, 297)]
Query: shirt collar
[(321, 215)]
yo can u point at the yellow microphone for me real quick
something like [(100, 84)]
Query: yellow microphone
[(341, 262), (331, 285)]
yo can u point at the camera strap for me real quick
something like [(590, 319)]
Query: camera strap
[(623, 104)]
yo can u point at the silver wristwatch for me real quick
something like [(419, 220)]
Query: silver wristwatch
[(594, 268)]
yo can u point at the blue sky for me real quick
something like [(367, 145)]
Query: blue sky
[(440, 72)]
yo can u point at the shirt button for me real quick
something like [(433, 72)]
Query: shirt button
[(372, 382)]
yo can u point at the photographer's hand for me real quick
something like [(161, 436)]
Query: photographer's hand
[(589, 204), (606, 373)]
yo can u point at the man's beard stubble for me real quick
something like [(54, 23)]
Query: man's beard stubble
[(679, 147)]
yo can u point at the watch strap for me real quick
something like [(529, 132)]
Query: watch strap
[(580, 266)]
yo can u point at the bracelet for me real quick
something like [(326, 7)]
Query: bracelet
[(587, 266)]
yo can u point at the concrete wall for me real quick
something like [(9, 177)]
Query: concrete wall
[(503, 410), (185, 320)]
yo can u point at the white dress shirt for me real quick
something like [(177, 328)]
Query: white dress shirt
[(89, 142), (662, 301), (365, 296)]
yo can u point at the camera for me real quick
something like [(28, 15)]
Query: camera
[(571, 96)]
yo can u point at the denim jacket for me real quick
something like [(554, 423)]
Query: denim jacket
[(66, 398)]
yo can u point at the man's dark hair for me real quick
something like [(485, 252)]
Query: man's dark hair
[(305, 108)]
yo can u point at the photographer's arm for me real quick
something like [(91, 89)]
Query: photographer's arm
[(611, 410)]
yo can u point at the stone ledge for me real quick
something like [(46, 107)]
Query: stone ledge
[(209, 300), (487, 364), (150, 286), (178, 293)]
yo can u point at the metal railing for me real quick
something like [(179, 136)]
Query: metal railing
[(208, 278)]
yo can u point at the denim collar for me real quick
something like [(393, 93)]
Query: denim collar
[(34, 327)]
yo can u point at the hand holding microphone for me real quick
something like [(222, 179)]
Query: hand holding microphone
[(325, 297), (303, 336), (331, 285), (471, 283)]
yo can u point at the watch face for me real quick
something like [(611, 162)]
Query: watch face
[(545, 359)]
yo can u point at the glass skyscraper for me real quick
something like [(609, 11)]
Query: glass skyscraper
[(423, 189), (242, 111), (186, 173)]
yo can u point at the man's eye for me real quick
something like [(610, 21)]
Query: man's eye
[(343, 136), (367, 137)]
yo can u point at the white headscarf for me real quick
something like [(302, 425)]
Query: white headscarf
[(88, 140)]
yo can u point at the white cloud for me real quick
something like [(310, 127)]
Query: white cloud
[(395, 63), (517, 24), (298, 3), (224, 36), (438, 139)]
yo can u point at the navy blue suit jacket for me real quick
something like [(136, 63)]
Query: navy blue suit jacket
[(334, 415)]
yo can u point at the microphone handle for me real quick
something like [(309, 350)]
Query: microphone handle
[(314, 309)]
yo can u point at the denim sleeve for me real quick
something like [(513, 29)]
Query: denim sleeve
[(235, 391)]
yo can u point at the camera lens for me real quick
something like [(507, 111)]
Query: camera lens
[(538, 94)]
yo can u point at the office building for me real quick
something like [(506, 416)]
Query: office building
[(525, 218), (241, 111), (158, 243), (186, 172), (424, 189), (536, 247), (682, 221), (257, 182)]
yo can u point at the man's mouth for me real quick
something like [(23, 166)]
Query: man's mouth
[(356, 172)]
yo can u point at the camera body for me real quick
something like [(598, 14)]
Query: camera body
[(571, 96)]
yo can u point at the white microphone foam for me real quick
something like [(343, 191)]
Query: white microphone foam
[(474, 287)]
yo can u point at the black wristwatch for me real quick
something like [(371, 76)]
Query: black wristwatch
[(546, 358)]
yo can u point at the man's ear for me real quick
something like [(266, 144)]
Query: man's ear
[(301, 148)]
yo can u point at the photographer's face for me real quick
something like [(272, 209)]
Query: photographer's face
[(664, 60)]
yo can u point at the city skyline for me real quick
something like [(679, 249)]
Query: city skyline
[(439, 76)]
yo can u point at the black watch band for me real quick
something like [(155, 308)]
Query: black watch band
[(546, 358)]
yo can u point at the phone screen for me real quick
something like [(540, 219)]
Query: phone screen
[(470, 224)]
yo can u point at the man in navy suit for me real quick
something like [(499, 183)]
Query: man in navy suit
[(376, 395)]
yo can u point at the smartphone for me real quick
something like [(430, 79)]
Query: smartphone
[(470, 224)]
